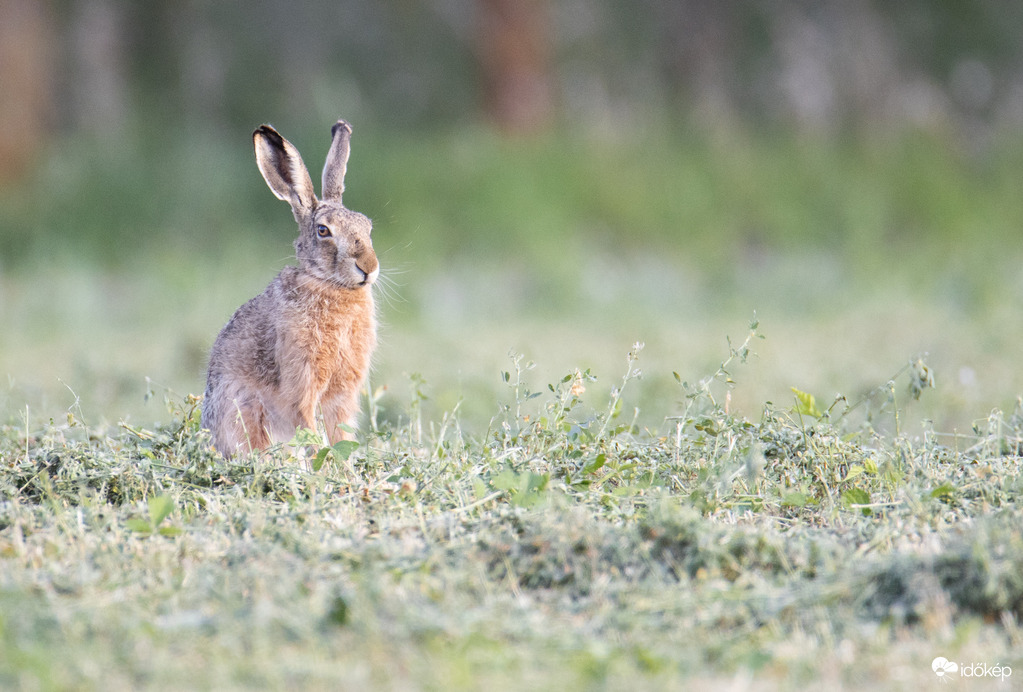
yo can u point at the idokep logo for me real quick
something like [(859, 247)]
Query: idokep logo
[(945, 669)]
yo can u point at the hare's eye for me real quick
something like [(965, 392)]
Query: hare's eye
[(322, 231)]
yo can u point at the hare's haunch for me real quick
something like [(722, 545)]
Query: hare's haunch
[(304, 344)]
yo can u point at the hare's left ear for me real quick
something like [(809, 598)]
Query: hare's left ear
[(283, 170), (337, 161)]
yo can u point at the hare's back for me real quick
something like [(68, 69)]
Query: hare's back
[(247, 344)]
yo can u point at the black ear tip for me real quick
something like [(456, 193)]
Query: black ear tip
[(269, 132)]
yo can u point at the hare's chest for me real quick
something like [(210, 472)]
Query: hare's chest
[(333, 341)]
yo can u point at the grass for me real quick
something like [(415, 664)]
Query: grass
[(761, 513), (562, 547)]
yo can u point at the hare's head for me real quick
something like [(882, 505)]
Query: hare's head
[(333, 242)]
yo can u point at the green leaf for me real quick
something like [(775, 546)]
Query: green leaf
[(698, 498), (526, 500), (321, 456), (139, 525), (708, 425), (160, 508), (794, 500), (506, 480), (343, 449), (857, 496), (537, 482), (806, 405), (170, 531), (943, 490), (340, 612), (854, 471), (339, 451), (523, 489), (595, 465)]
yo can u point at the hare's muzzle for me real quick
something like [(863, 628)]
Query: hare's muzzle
[(369, 267), (371, 277)]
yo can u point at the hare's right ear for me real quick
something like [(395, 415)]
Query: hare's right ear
[(283, 169), (337, 161)]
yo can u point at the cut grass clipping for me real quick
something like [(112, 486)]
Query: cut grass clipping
[(564, 545)]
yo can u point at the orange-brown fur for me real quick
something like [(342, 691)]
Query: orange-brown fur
[(302, 346)]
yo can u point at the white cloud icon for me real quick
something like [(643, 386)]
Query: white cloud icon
[(942, 666)]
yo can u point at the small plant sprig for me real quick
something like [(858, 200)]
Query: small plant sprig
[(921, 377), (522, 393), (556, 420), (631, 373), (159, 508), (338, 453), (699, 398)]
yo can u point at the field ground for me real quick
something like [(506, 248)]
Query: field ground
[(507, 521), (486, 538)]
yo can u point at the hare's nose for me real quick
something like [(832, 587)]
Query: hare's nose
[(369, 266), (368, 277)]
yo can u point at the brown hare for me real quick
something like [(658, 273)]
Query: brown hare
[(304, 344)]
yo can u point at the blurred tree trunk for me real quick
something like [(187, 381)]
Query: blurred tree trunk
[(27, 41), (514, 47)]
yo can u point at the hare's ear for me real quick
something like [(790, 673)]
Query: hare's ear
[(337, 161), (283, 169)]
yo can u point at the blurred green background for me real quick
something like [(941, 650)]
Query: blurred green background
[(557, 179)]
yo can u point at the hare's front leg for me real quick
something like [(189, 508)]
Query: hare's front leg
[(243, 429), (296, 398), (337, 411)]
